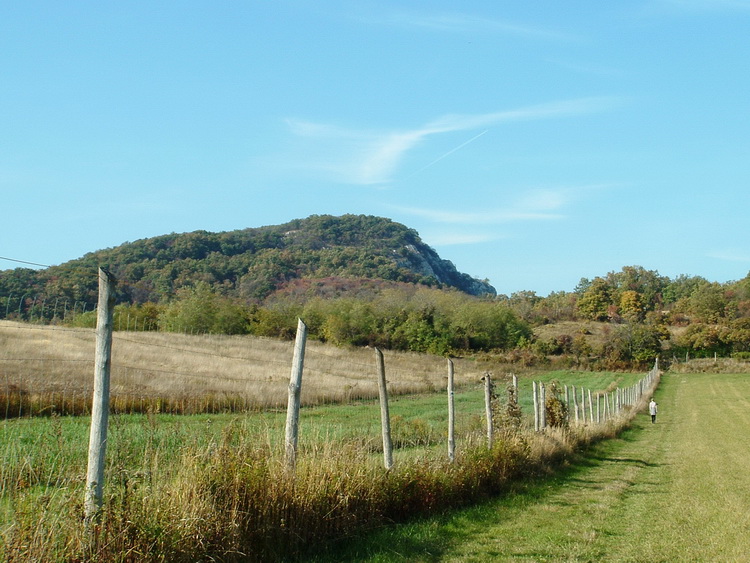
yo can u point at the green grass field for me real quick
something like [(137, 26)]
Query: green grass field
[(674, 491), (167, 474)]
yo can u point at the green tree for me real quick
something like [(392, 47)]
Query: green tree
[(199, 309), (631, 305), (681, 288), (708, 303), (706, 339), (632, 345), (596, 301), (648, 284)]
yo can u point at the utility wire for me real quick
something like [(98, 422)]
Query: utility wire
[(24, 262)]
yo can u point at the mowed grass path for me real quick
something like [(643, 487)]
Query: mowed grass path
[(678, 490)]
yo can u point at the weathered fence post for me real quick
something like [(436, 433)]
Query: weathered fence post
[(385, 417), (451, 415), (542, 406), (591, 408), (535, 399), (488, 407), (583, 405), (100, 406), (293, 403), (575, 403)]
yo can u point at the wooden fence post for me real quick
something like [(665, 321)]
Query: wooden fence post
[(451, 415), (488, 408), (100, 406), (293, 403), (575, 403), (385, 417), (583, 405), (542, 406)]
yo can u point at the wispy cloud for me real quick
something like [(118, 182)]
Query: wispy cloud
[(705, 5), (470, 227), (730, 255), (372, 157), (489, 217), (535, 205), (465, 23), (451, 238)]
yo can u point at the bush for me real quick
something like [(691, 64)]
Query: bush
[(555, 408)]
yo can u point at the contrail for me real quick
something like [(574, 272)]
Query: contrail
[(450, 152)]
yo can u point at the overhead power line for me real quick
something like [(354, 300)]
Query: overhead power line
[(24, 262)]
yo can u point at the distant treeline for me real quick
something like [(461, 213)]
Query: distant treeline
[(641, 314), (649, 314), (408, 318)]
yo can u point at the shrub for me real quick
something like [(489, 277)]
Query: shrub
[(555, 408)]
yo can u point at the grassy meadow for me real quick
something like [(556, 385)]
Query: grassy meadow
[(213, 485), (672, 491), (48, 369)]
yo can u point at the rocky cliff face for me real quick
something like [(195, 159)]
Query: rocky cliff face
[(427, 262)]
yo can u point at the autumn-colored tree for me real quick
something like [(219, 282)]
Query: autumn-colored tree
[(595, 302), (631, 305)]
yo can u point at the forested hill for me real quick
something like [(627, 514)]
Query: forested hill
[(250, 263)]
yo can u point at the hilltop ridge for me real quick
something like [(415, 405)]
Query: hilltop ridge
[(251, 263)]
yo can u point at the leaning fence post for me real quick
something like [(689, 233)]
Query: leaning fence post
[(488, 407), (451, 415), (293, 403), (100, 406), (385, 418)]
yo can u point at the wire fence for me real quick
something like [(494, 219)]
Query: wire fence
[(47, 370)]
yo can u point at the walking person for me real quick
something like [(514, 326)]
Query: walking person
[(653, 409)]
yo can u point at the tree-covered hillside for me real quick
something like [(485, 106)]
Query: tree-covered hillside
[(362, 280), (248, 264)]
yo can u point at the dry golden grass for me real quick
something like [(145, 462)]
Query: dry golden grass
[(595, 333), (711, 365), (38, 360)]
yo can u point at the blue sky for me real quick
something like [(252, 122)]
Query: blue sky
[(531, 143)]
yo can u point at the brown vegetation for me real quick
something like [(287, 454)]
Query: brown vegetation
[(49, 369)]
